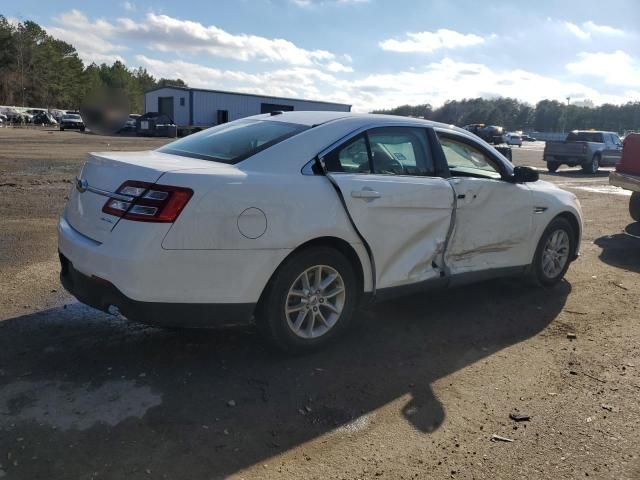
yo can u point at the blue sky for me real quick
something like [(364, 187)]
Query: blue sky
[(370, 53)]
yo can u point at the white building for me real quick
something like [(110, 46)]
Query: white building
[(199, 107)]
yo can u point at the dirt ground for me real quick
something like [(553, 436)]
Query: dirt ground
[(415, 390)]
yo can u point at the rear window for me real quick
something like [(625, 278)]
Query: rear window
[(233, 142), (585, 137), (71, 117)]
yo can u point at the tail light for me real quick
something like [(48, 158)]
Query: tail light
[(148, 202)]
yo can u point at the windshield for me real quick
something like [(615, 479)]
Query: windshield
[(585, 137), (233, 142), (71, 117)]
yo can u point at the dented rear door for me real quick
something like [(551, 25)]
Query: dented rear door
[(404, 220), (402, 212)]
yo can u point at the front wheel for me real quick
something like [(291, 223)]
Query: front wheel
[(309, 301), (554, 252), (634, 206), (552, 167)]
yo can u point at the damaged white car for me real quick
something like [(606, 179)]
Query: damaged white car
[(294, 219)]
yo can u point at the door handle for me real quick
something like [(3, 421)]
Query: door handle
[(365, 194)]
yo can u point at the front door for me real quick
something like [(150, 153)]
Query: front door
[(399, 207), (494, 218), (165, 105)]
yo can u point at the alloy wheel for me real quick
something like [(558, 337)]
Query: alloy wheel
[(315, 301), (556, 253)]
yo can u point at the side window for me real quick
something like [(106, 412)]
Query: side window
[(400, 151), (467, 161), (353, 157)]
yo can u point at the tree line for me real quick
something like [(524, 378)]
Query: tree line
[(37, 70), (545, 116)]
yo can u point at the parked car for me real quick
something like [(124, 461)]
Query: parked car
[(489, 133), (295, 219), (130, 124), (44, 118), (72, 121), (588, 148), (154, 124), (511, 138), (528, 138), (627, 173)]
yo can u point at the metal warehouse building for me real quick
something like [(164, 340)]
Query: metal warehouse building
[(199, 107)]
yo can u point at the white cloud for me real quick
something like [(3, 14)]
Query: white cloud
[(427, 42), (590, 28), (170, 34), (617, 68), (577, 31), (434, 83), (89, 38)]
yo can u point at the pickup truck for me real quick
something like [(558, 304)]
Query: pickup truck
[(627, 173), (588, 148)]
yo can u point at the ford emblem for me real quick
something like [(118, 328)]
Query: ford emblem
[(82, 185)]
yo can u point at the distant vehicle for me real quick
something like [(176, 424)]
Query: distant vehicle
[(627, 173), (588, 148), (130, 125), (512, 139), (489, 133), (72, 121), (528, 138), (154, 124), (44, 118), (215, 228)]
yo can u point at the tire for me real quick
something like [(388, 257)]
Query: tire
[(634, 206), (593, 166), (319, 324), (82, 129), (552, 166), (62, 129), (542, 276)]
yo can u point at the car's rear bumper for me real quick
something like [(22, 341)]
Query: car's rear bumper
[(103, 295)]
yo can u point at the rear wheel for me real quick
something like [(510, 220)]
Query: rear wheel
[(554, 252), (593, 166), (634, 206), (309, 301), (552, 166)]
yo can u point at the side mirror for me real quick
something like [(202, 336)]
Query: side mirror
[(524, 175)]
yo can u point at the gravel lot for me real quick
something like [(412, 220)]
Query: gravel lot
[(415, 390)]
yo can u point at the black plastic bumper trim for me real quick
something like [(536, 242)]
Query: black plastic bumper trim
[(100, 294)]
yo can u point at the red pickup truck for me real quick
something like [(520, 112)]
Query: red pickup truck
[(627, 173)]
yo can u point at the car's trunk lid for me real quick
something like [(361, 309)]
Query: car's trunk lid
[(103, 173)]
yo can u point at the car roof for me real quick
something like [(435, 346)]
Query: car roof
[(320, 117)]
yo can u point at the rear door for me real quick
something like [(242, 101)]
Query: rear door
[(403, 211), (494, 217)]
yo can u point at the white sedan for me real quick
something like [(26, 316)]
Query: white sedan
[(512, 139), (292, 220)]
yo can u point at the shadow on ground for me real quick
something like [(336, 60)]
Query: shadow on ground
[(90, 393), (621, 250)]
